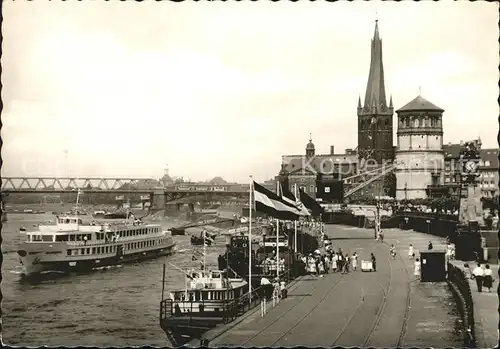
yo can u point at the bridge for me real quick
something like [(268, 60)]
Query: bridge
[(149, 190), (108, 185)]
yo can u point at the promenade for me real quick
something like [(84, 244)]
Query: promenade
[(485, 303), (386, 308), (485, 309)]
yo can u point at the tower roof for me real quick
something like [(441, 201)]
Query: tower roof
[(375, 88), (419, 103), (310, 145)]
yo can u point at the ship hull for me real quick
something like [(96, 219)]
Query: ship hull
[(36, 264)]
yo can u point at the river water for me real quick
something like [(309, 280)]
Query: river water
[(118, 306)]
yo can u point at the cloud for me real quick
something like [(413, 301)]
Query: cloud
[(127, 88)]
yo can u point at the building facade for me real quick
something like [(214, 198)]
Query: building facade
[(303, 169), (488, 169), (375, 117), (419, 151)]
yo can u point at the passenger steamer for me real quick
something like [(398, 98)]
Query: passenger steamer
[(72, 245)]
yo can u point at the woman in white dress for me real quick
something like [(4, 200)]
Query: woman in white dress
[(411, 252), (354, 261), (334, 262), (416, 270)]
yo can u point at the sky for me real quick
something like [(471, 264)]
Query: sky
[(125, 89)]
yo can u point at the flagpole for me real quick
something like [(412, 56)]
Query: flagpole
[(295, 222), (250, 208), (277, 236), (204, 249)]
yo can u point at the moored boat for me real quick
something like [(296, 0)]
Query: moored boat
[(209, 298), (178, 231), (204, 238)]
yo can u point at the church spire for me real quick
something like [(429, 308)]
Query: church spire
[(375, 89)]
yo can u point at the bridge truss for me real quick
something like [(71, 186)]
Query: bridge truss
[(362, 180), (69, 184)]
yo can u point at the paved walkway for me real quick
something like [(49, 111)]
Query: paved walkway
[(485, 303), (387, 308), (485, 309)]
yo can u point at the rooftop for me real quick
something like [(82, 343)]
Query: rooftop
[(420, 103)]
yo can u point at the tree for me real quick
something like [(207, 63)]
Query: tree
[(390, 185), (490, 204)]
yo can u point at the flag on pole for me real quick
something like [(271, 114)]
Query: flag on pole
[(310, 204), (197, 254), (287, 195), (268, 202)]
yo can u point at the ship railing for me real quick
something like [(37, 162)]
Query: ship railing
[(229, 309), (111, 242), (195, 308)]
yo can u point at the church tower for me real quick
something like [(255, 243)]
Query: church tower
[(310, 149), (375, 125)]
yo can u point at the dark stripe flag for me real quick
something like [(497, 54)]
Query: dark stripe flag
[(287, 195), (311, 204), (268, 202)]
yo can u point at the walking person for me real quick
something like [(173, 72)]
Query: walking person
[(340, 262), (430, 246), (488, 278), (416, 268), (354, 261), (347, 263), (478, 273), (326, 262), (334, 262), (316, 263), (411, 252), (374, 262), (393, 252)]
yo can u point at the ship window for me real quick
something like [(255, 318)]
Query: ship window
[(88, 250), (82, 251), (72, 237), (47, 238), (93, 250), (197, 295), (62, 237), (68, 252), (204, 295)]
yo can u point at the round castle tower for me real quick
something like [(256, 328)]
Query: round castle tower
[(419, 152)]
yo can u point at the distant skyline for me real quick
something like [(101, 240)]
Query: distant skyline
[(119, 89)]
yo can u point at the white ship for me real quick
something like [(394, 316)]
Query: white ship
[(72, 245)]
